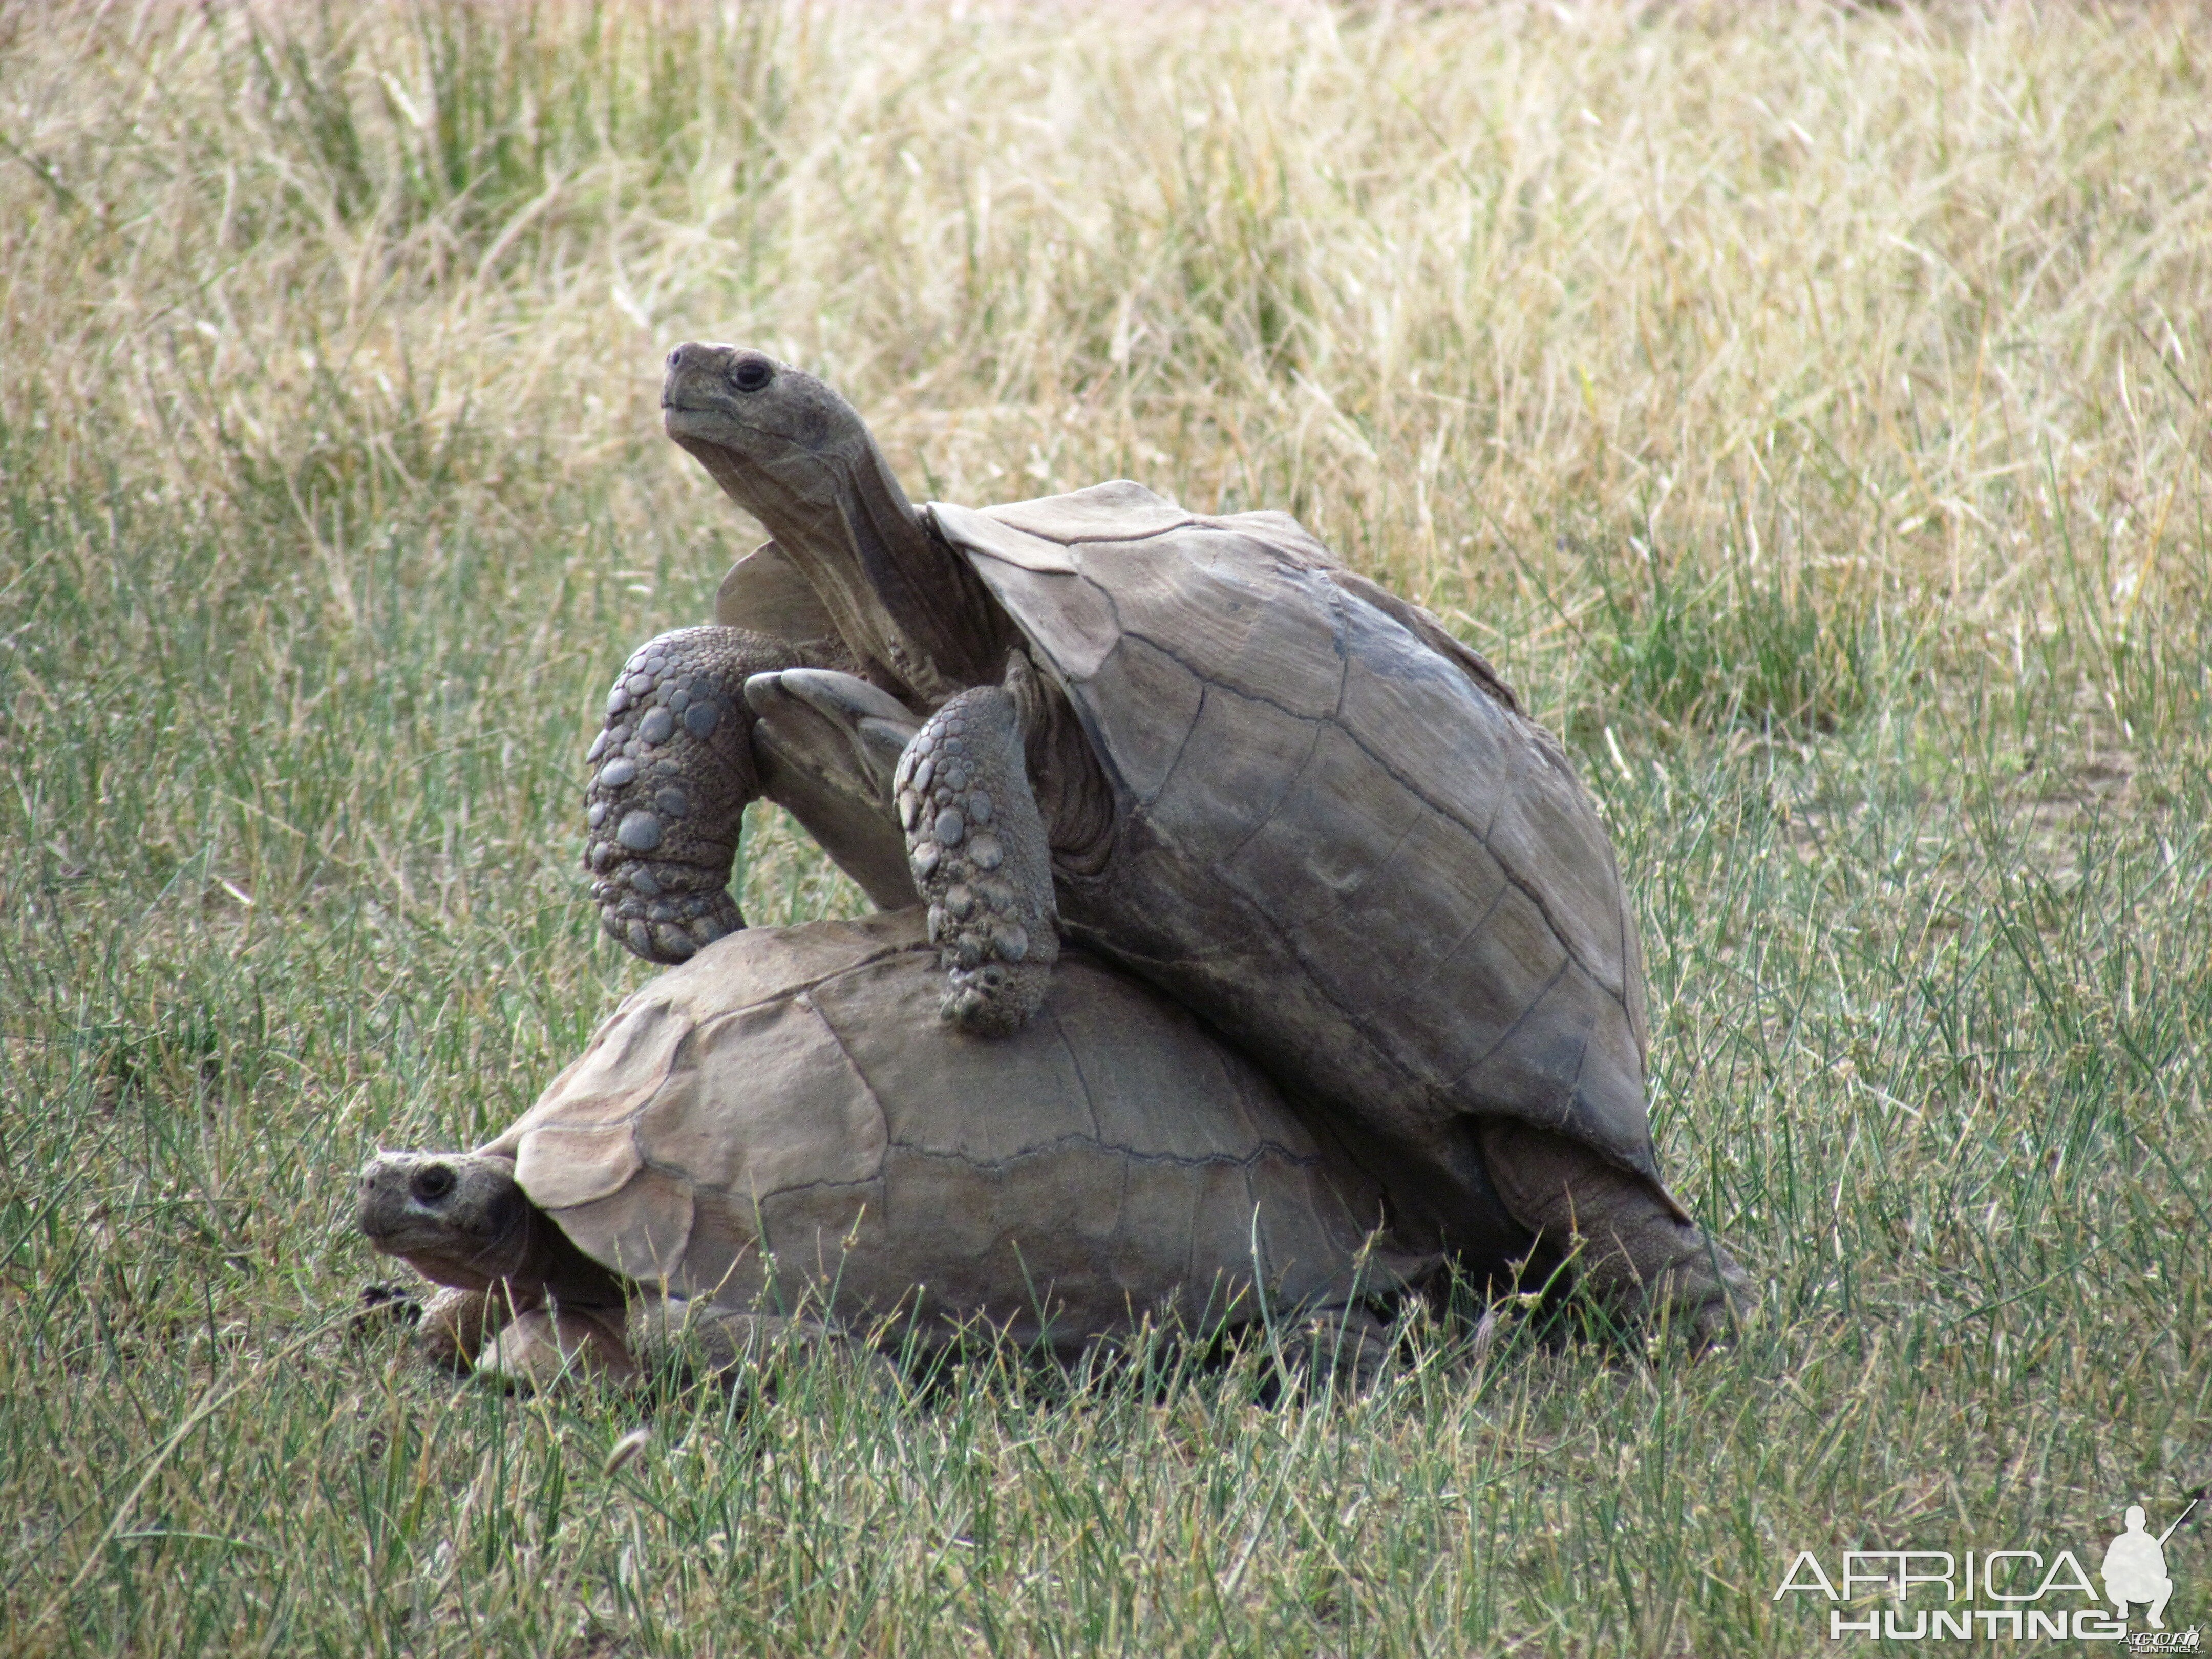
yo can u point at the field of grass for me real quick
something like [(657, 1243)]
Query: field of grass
[(1810, 411)]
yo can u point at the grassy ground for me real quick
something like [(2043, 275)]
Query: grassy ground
[(1809, 411)]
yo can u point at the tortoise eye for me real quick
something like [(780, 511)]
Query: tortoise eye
[(432, 1184), (751, 374)]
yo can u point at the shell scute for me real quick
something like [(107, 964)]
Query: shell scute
[(641, 1231), (1245, 620), (809, 1137), (1021, 1091), (627, 1061), (1144, 752), (1580, 895), (1242, 763), (1339, 822), (811, 1118), (1070, 620), (1391, 945), (1320, 799), (561, 1164), (1118, 510), (989, 534)]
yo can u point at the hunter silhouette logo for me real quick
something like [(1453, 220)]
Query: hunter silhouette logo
[(2134, 1567), (2005, 1594)]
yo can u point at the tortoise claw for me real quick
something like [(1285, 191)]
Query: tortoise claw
[(673, 769), (845, 698), (979, 857), (671, 929)]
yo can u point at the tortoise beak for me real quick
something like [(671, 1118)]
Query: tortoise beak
[(694, 378)]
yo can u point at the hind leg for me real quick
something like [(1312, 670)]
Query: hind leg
[(1342, 1348), (1641, 1257)]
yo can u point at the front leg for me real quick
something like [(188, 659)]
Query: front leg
[(978, 850), (458, 1325), (550, 1343), (675, 771)]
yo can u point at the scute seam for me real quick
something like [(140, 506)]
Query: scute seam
[(1471, 930), (1266, 1151), (784, 993), (1520, 1019), (1075, 1063), (1481, 835)]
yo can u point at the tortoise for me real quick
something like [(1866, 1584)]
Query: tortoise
[(763, 1136), (1287, 797)]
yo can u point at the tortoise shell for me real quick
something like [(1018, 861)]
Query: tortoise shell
[(1337, 838), (781, 1123)]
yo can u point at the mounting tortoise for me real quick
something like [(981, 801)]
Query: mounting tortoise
[(776, 1135), (1195, 745)]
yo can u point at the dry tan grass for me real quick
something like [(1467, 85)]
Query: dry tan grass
[(1914, 297)]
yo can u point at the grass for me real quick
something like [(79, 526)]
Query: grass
[(1806, 408)]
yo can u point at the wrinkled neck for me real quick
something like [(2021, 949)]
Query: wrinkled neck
[(511, 1255), (899, 596)]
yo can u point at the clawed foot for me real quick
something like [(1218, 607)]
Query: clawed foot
[(976, 844), (979, 857), (675, 769)]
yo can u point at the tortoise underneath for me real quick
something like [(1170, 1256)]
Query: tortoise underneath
[(768, 1139)]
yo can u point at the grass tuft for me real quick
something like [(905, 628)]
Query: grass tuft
[(1672, 641)]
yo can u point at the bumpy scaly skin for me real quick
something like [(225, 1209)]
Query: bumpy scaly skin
[(1637, 1255), (458, 1326), (981, 859), (1343, 1348), (545, 1346), (673, 770)]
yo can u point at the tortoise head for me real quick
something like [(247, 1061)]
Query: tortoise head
[(794, 454), (457, 1217), (780, 442)]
